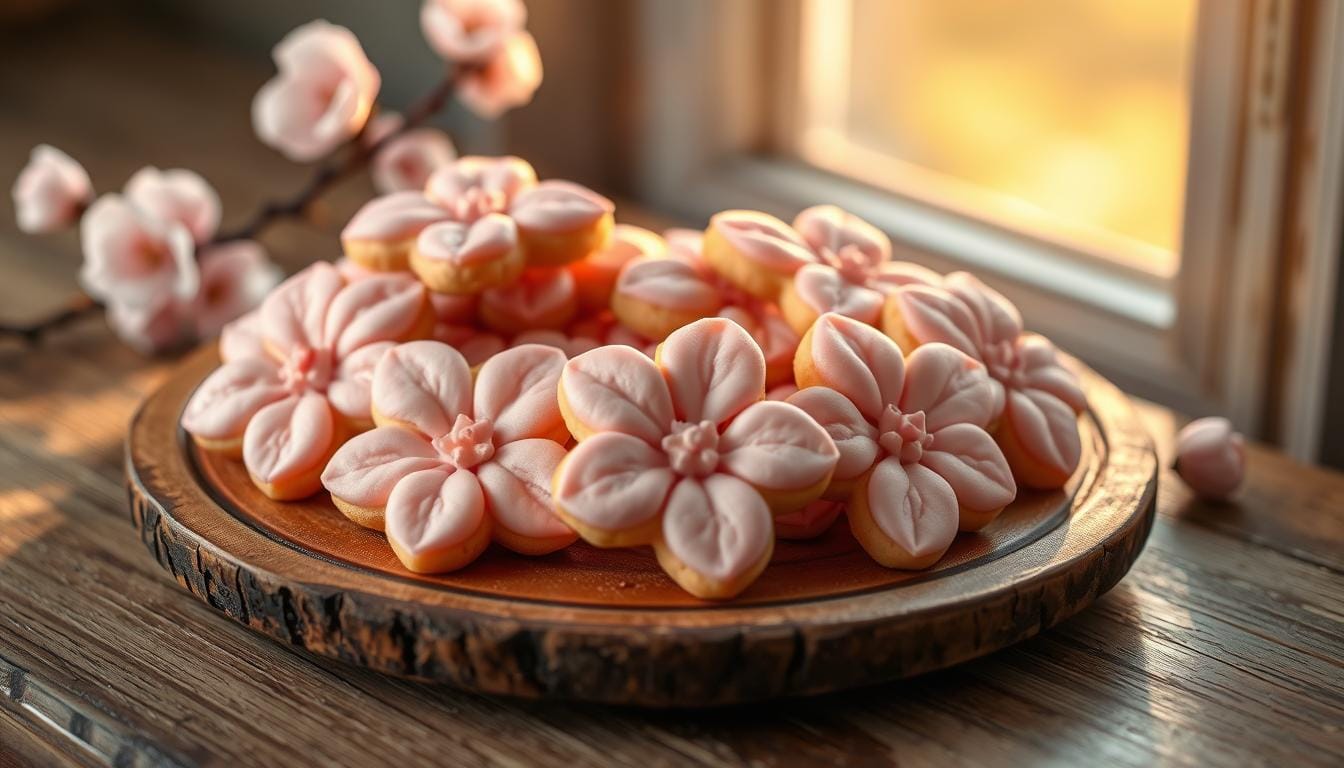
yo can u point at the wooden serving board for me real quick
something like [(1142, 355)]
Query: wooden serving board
[(607, 625)]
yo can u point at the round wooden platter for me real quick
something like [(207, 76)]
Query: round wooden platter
[(607, 625)]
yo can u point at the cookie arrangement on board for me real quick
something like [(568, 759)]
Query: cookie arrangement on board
[(496, 360)]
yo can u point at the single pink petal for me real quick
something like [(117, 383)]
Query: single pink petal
[(823, 289), (406, 162), (383, 308), (176, 195), (613, 481), (242, 338), (618, 389), (858, 361), (424, 384), (718, 526), (1211, 457), (855, 439), (764, 239), (890, 275), (768, 328), (491, 237), (508, 79), (50, 191), (226, 401), (996, 317), (669, 283), (713, 368), (913, 506), (470, 31), (392, 217), (777, 446), (516, 389), (431, 511), (559, 206), (832, 231), (351, 389), (364, 470), (517, 485), (288, 437), (292, 316), (1041, 370), (1047, 428), (933, 314), (970, 461), (950, 387)]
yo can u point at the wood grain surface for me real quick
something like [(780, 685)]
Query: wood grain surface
[(608, 625), (1222, 646)]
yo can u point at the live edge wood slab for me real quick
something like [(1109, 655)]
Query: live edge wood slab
[(607, 625)]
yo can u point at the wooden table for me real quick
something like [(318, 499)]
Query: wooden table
[(1225, 644)]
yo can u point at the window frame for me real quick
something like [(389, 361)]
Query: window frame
[(1188, 341)]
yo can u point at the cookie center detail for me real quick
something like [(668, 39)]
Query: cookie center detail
[(904, 434), (850, 262), (474, 203), (693, 448), (307, 369), (468, 443)]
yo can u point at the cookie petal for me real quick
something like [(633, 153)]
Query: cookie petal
[(430, 514), (364, 470), (858, 361), (718, 526), (618, 389), (226, 401), (855, 439), (515, 389), (714, 369), (950, 387), (424, 384), (913, 506), (613, 481), (378, 308), (777, 446), (517, 486), (288, 437), (970, 461)]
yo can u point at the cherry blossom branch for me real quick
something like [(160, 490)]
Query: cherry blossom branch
[(328, 174), (339, 168), (79, 306)]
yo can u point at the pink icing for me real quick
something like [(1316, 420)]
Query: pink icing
[(442, 425), (536, 294), (763, 239), (668, 283), (319, 341), (241, 338), (1211, 457), (840, 237), (1043, 397), (701, 476), (485, 239), (400, 215), (826, 289), (879, 406), (474, 186), (559, 206)]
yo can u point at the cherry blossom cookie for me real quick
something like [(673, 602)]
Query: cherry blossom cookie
[(655, 296), (755, 251), (560, 222), (915, 462), (684, 455), (1041, 399), (853, 272), (295, 382), (381, 234), (455, 463)]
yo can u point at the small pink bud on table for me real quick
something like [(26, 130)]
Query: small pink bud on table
[(1211, 457)]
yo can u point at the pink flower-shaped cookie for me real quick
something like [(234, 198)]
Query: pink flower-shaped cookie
[(454, 461), (1038, 426), (852, 274), (289, 407), (654, 296), (321, 96), (915, 461), (683, 454)]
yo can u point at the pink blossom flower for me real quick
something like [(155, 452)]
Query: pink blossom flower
[(915, 460), (160, 324), (134, 258), (507, 80), (471, 31), (407, 161), (51, 191), (1039, 398), (288, 407), (235, 277), (322, 95), (683, 454), (457, 456), (1211, 458), (176, 196)]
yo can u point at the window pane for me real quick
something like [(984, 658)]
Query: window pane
[(1072, 114)]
